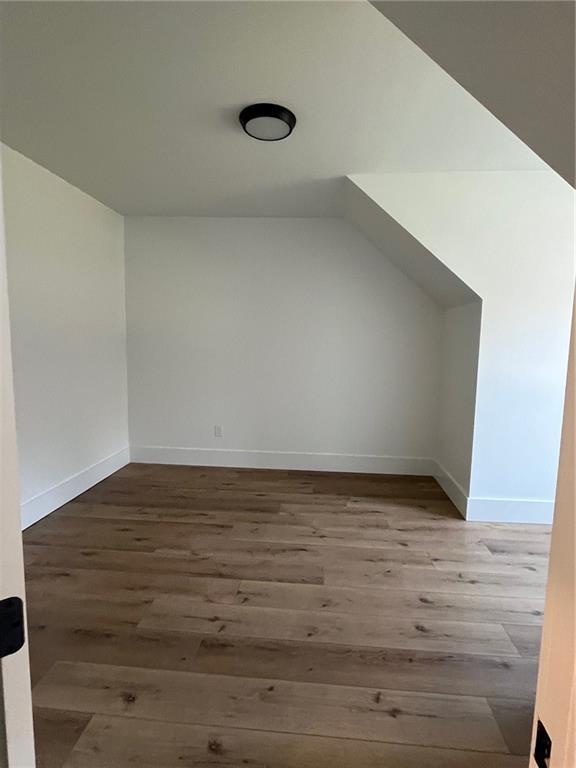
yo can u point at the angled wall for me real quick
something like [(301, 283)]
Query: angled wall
[(404, 250), (461, 316), (510, 236)]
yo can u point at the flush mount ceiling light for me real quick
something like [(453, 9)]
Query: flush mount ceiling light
[(267, 122)]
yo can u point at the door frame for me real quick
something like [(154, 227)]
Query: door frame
[(15, 689)]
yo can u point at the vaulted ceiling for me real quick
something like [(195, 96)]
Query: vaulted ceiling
[(136, 103), (518, 58)]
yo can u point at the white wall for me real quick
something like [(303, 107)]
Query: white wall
[(460, 347), (556, 695), (510, 237), (65, 256), (296, 335)]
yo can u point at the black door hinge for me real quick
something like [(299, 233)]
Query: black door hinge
[(543, 749), (11, 625)]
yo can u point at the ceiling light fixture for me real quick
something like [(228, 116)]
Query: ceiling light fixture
[(267, 122)]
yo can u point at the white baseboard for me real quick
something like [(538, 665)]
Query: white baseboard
[(329, 462), (537, 511), (42, 504), (452, 488), (473, 509), (484, 510)]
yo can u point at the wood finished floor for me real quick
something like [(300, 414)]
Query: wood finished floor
[(202, 617)]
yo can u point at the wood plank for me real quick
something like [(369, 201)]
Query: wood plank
[(532, 547), (178, 614), (52, 643), (369, 535), (403, 505), (55, 734), (273, 705), (491, 531), (395, 668), (162, 562), (464, 582), (526, 639), (181, 515), (232, 548), (470, 581), (127, 535), (174, 496), (90, 612), (382, 510), (368, 601), (453, 561), (142, 498), (44, 582), (123, 743), (515, 722)]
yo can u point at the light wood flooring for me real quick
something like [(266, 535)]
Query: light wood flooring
[(203, 617)]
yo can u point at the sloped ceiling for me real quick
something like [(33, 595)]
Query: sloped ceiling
[(517, 58), (136, 103)]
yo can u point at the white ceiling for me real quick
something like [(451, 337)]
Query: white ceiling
[(136, 103)]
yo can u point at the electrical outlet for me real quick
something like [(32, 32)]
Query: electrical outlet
[(218, 430), (543, 749)]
